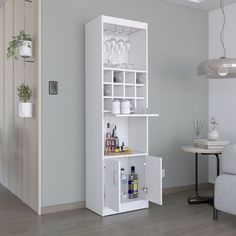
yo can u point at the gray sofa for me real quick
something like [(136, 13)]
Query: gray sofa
[(225, 186)]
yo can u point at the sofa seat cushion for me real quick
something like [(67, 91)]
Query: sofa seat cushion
[(225, 193)]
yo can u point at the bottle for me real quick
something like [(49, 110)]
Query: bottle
[(116, 138), (122, 147), (123, 184), (108, 140), (133, 184), (113, 142)]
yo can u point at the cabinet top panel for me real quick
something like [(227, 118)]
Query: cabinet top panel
[(122, 22)]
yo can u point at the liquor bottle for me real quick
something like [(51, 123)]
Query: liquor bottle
[(116, 138), (123, 184), (133, 184), (113, 141), (108, 140)]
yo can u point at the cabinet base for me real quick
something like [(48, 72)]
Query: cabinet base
[(126, 207)]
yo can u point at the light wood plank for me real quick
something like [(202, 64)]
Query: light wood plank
[(2, 94), (18, 122), (31, 125), (19, 160), (9, 95)]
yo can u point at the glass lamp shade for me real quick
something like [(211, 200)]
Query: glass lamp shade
[(222, 68)]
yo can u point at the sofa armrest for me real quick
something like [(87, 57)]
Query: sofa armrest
[(229, 160), (225, 193)]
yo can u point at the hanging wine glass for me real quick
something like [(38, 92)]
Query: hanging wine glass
[(120, 45), (127, 46)]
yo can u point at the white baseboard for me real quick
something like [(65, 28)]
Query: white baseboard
[(79, 205), (186, 188), (62, 207)]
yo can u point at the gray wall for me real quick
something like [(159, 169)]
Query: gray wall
[(178, 41), (222, 96)]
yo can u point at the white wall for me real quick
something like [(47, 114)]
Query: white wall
[(178, 41), (222, 93)]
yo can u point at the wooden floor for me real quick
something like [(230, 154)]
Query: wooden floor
[(174, 218)]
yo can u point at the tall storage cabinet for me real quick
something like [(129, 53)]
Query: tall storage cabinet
[(118, 48)]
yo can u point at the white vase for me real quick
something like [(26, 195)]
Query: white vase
[(25, 50), (25, 109), (213, 135)]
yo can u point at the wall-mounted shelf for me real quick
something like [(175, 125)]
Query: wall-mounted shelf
[(30, 59)]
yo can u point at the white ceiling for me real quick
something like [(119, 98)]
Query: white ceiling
[(206, 5)]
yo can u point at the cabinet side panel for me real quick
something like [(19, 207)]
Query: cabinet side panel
[(94, 118)]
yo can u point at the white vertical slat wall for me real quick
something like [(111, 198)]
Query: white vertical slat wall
[(19, 138)]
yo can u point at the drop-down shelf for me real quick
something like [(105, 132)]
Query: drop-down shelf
[(137, 115)]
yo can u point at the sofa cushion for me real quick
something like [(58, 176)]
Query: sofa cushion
[(229, 160), (225, 193)]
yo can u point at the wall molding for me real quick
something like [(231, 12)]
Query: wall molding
[(82, 204), (62, 207)]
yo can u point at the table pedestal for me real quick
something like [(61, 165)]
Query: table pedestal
[(204, 199)]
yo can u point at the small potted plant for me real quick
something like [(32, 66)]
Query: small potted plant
[(25, 106), (22, 41)]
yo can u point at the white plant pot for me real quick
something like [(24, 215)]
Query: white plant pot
[(213, 135), (25, 50), (25, 109)]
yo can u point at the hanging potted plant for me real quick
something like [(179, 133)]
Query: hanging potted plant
[(25, 106), (22, 41)]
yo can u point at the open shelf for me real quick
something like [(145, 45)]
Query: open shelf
[(122, 155), (137, 115), (129, 200)]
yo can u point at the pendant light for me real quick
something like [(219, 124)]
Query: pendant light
[(223, 67)]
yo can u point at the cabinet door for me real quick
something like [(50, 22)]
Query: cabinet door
[(154, 179), (112, 184)]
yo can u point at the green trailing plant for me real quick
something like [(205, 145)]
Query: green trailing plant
[(24, 92), (16, 42)]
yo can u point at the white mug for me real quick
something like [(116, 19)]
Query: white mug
[(115, 107), (125, 107)]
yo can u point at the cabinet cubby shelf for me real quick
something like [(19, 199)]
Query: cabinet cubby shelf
[(133, 154), (131, 115), (126, 84), (120, 97), (124, 70)]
